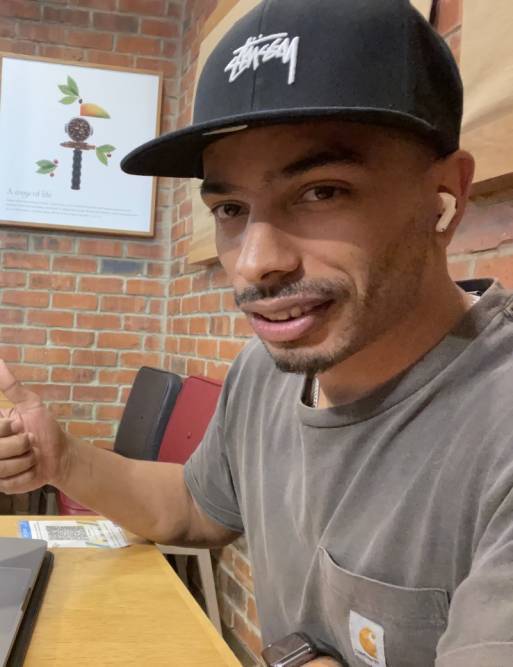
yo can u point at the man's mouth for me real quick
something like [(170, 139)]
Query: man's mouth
[(289, 324)]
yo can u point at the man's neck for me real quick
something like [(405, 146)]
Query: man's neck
[(436, 313)]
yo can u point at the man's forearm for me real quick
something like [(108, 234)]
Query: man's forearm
[(148, 498)]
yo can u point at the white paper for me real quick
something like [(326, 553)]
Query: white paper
[(99, 534), (33, 124)]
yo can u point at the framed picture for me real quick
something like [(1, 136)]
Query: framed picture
[(64, 128)]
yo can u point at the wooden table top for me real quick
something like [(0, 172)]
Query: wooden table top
[(119, 607)]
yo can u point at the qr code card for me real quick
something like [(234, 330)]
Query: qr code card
[(97, 534)]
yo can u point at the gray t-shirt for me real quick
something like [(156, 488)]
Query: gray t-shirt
[(384, 528)]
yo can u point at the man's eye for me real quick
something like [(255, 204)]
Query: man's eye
[(226, 211), (322, 192)]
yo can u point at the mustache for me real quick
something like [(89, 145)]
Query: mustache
[(323, 289)]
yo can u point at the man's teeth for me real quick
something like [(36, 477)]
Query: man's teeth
[(293, 313)]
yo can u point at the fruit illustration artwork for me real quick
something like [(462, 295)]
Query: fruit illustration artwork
[(368, 642), (79, 130)]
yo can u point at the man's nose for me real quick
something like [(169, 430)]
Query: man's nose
[(265, 250)]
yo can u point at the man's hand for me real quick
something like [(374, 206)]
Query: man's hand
[(33, 447)]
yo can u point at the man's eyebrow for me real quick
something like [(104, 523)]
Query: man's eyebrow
[(215, 188), (322, 159)]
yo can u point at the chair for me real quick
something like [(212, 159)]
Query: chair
[(193, 410), (143, 423)]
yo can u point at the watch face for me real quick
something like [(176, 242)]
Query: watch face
[(291, 651)]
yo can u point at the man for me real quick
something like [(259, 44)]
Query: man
[(362, 440)]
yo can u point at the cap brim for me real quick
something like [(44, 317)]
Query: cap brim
[(179, 154)]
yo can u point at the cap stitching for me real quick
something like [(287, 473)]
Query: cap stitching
[(260, 25)]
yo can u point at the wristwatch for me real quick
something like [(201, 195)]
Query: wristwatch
[(292, 651)]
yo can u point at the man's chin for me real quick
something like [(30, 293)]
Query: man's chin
[(290, 358)]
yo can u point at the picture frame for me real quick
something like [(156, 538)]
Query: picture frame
[(64, 128)]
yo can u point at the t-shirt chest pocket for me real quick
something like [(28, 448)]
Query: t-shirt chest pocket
[(380, 624)]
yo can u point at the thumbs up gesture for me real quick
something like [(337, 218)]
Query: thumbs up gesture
[(33, 447)]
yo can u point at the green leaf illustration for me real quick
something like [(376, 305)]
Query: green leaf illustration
[(102, 157), (106, 148), (68, 100), (66, 90), (72, 85), (46, 170), (45, 164)]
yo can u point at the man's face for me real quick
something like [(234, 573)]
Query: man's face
[(324, 230)]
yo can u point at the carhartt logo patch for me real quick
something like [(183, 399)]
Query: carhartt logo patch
[(262, 49), (367, 640)]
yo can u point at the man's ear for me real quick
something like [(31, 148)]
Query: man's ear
[(455, 178)]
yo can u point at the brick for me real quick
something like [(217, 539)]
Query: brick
[(138, 359), (155, 270), (22, 9), (496, 267), (252, 612), (210, 303), (242, 327), (247, 634), (94, 358), (101, 394), (230, 349), (171, 345), (207, 348), (229, 304), (168, 69), (146, 46), (198, 326), (12, 279), (123, 304), (181, 286), (13, 241), (117, 377), (142, 323), (7, 28), (153, 343), (11, 316), (178, 365), (180, 325), (160, 28), (217, 371), (109, 412), (74, 264), (37, 32), (90, 429), (219, 279), (88, 40), (242, 572), (195, 367), (220, 325), (122, 267), (53, 243), (200, 282), (50, 318), (187, 346), (115, 22), (109, 58), (51, 392), (75, 301), (25, 260), (146, 250), (75, 17), (71, 338), (190, 304), (156, 307), (10, 353), (122, 341), (52, 281), (61, 52), (146, 287), (102, 248), (45, 355), (106, 5), (73, 375), (22, 336), (26, 298), (103, 444), (96, 322), (150, 7), (100, 285), (17, 46)]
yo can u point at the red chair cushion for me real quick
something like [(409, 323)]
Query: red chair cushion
[(194, 407)]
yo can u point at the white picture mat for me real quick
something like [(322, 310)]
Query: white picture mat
[(32, 122)]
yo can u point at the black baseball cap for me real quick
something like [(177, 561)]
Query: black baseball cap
[(368, 61)]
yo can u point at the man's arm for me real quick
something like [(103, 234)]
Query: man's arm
[(148, 498)]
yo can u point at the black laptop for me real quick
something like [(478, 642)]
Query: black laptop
[(25, 567)]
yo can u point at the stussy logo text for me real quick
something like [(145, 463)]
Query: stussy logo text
[(261, 49)]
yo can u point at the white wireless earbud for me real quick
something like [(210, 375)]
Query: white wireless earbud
[(449, 202)]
